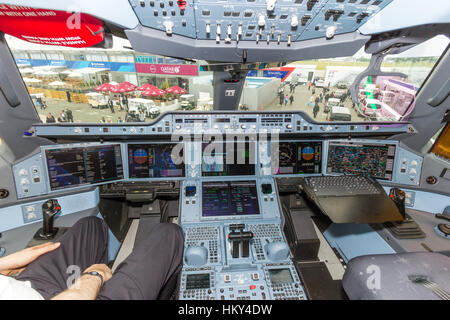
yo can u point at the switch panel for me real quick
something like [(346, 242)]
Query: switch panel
[(255, 20)]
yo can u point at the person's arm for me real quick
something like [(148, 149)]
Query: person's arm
[(16, 262), (87, 286)]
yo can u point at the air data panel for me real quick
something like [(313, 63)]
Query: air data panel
[(374, 160), (297, 157), (236, 198), (228, 159), (155, 161), (69, 167)]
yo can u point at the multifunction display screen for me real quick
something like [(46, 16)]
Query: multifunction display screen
[(296, 157), (235, 198), (156, 160), (228, 158), (374, 160), (69, 167)]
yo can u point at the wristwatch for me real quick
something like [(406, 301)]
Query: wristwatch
[(94, 273)]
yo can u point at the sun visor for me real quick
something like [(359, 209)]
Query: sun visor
[(51, 27)]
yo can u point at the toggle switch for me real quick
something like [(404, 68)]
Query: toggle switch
[(168, 25), (239, 32), (218, 31), (294, 21), (208, 28), (270, 5), (261, 21)]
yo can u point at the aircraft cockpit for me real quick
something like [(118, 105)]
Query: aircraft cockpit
[(270, 149)]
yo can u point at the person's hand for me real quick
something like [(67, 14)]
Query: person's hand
[(86, 287), (16, 262), (103, 269)]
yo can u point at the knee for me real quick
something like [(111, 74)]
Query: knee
[(91, 224), (171, 232)]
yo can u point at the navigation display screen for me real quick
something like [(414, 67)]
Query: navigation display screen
[(374, 160), (155, 161), (235, 198), (228, 159), (297, 157), (69, 167)]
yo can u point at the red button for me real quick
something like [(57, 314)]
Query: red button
[(252, 287)]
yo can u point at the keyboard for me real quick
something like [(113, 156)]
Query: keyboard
[(342, 186)]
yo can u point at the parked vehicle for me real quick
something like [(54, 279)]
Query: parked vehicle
[(320, 83), (97, 100), (340, 94), (371, 108), (339, 114), (332, 102), (342, 85), (138, 104), (154, 112), (187, 102)]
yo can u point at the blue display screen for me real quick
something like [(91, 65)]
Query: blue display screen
[(235, 198), (155, 161)]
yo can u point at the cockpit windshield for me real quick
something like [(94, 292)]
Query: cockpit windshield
[(121, 85)]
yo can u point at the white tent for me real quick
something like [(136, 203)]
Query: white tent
[(31, 80), (91, 70), (46, 73), (26, 70), (75, 75), (57, 83)]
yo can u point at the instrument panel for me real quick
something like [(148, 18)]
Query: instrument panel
[(69, 166)]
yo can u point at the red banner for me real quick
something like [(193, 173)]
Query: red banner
[(169, 69), (51, 27)]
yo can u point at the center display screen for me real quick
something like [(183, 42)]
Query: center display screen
[(232, 198), (374, 160), (69, 167), (155, 161), (228, 158), (298, 157)]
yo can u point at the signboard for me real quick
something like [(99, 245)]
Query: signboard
[(281, 72), (113, 66), (51, 27), (167, 69)]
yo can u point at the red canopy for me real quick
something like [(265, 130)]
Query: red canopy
[(105, 87), (176, 90), (153, 93), (123, 87), (146, 87)]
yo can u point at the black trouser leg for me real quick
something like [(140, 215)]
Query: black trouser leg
[(83, 245), (148, 272)]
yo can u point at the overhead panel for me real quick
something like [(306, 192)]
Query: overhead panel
[(255, 20)]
